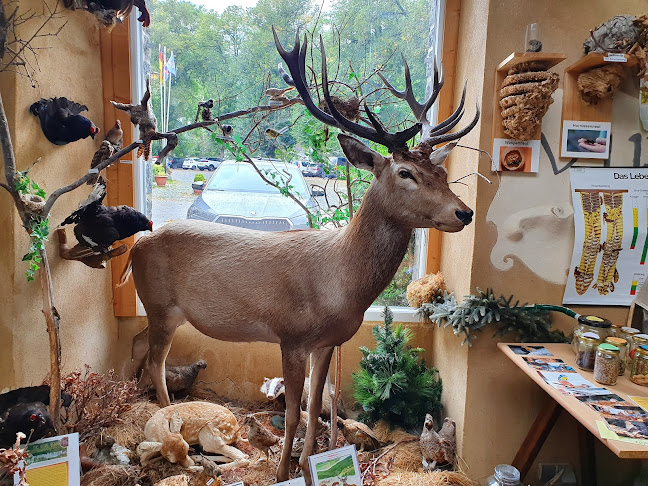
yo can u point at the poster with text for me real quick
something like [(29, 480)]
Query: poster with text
[(608, 265), (53, 462)]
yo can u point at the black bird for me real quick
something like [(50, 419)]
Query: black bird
[(61, 120), (29, 394), (98, 226), (32, 419)]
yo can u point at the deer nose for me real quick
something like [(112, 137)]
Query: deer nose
[(465, 216)]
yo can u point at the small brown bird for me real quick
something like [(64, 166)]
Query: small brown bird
[(272, 133), (105, 151), (180, 378), (116, 136), (258, 436), (359, 434), (438, 448), (275, 92), (142, 115)]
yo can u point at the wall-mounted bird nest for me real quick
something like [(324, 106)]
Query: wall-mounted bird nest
[(525, 98), (600, 82)]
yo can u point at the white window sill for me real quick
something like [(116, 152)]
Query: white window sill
[(401, 314)]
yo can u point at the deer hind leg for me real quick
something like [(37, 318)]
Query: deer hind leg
[(294, 372), (320, 361), (139, 352), (162, 326), (211, 442)]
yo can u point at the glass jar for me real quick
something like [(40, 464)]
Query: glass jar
[(606, 365), (598, 325), (637, 340), (622, 344), (615, 330), (639, 371), (505, 475), (586, 354)]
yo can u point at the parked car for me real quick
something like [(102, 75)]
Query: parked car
[(238, 196), (310, 169), (336, 168), (213, 163), (175, 162), (190, 163)]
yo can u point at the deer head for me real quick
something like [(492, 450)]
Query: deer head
[(173, 447), (413, 180)]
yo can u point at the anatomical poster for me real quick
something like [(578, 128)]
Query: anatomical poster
[(608, 265)]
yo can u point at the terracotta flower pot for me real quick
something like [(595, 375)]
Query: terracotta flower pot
[(161, 180), (198, 187)]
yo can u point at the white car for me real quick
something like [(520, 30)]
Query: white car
[(191, 163)]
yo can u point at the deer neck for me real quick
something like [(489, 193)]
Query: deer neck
[(373, 247)]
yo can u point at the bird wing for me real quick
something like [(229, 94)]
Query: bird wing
[(366, 430), (104, 152), (63, 106), (89, 206)]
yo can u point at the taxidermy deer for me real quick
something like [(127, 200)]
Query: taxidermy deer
[(272, 287)]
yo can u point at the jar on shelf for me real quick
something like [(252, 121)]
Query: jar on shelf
[(586, 354), (615, 330), (639, 371), (606, 365), (598, 325), (622, 344), (627, 333), (505, 475), (637, 340)]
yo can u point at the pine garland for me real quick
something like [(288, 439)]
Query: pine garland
[(393, 383), (530, 323)]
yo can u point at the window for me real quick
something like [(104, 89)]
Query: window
[(225, 52)]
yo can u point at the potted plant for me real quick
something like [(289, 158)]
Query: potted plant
[(198, 184), (160, 175)]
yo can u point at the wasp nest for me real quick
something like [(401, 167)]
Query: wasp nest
[(525, 98), (600, 82)]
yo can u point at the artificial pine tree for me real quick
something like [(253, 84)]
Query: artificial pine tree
[(393, 382)]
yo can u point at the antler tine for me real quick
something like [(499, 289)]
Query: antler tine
[(437, 84), (286, 77), (449, 123), (393, 141), (446, 137), (295, 62)]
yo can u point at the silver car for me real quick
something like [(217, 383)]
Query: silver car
[(238, 196)]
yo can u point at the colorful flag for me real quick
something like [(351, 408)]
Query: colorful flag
[(161, 64), (170, 68)]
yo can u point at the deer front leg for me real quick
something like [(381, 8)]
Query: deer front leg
[(294, 371), (160, 334), (320, 361)]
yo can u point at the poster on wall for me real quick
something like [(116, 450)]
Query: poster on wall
[(53, 462), (586, 139), (608, 264), (516, 155)]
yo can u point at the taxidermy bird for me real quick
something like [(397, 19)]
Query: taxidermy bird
[(227, 130), (272, 133), (258, 436), (359, 434), (273, 93), (32, 419), (116, 136), (110, 11), (113, 142), (30, 394), (180, 378), (142, 115), (438, 448), (98, 226), (61, 121)]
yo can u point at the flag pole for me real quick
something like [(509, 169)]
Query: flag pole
[(169, 98), (161, 65), (164, 124)]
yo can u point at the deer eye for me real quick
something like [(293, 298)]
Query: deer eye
[(405, 174)]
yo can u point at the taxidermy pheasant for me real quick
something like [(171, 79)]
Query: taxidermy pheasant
[(98, 226), (180, 378), (142, 115), (29, 394), (61, 121), (258, 436), (359, 434), (113, 142), (32, 419), (438, 448)]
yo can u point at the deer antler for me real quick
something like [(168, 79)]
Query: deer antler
[(296, 62), (432, 135)]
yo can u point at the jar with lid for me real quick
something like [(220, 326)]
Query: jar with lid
[(639, 371), (622, 344), (615, 330), (627, 333), (598, 325), (586, 354), (637, 340), (606, 365), (505, 475)]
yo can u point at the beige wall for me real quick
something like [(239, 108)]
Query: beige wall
[(71, 68)]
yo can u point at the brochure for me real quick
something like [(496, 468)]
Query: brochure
[(527, 350), (336, 466), (548, 364), (53, 462)]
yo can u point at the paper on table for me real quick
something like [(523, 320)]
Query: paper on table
[(606, 433), (641, 401)]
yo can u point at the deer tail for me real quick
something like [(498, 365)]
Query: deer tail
[(128, 270)]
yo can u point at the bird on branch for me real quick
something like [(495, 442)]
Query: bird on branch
[(142, 116)]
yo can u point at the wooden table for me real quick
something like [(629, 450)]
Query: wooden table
[(585, 415)]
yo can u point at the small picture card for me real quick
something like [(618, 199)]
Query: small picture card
[(529, 350), (53, 462), (336, 466), (585, 139), (516, 155), (548, 364), (292, 482), (615, 57)]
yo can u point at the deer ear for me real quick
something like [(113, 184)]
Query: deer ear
[(360, 155), (175, 424), (438, 156), (149, 446)]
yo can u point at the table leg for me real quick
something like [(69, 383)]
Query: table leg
[(587, 456), (538, 433)]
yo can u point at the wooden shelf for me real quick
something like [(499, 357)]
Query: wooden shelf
[(502, 71)]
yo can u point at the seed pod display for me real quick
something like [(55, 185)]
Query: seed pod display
[(584, 273), (613, 216)]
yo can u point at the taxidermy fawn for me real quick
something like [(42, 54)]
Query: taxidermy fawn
[(272, 287)]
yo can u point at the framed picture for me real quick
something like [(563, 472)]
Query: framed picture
[(53, 461), (586, 140), (336, 466), (516, 155)]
